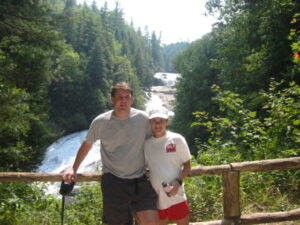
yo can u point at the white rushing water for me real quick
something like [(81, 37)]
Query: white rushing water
[(155, 102), (169, 79), (61, 154)]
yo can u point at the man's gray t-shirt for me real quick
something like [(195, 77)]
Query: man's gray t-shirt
[(122, 142)]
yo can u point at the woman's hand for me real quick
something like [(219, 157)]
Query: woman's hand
[(175, 188)]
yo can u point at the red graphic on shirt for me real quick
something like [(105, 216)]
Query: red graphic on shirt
[(171, 148)]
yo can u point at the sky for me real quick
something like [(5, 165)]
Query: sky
[(175, 20)]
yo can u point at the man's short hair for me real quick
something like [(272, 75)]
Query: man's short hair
[(120, 85)]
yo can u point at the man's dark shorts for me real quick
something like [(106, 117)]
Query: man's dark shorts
[(123, 196)]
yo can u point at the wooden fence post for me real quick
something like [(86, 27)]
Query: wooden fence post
[(231, 195)]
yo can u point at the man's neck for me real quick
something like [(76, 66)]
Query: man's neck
[(121, 113)]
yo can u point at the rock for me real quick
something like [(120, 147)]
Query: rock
[(166, 94)]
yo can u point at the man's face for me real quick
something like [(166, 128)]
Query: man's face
[(158, 126), (122, 100)]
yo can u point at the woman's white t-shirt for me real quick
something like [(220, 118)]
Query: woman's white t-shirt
[(164, 158)]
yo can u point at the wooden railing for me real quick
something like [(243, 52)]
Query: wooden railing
[(231, 187)]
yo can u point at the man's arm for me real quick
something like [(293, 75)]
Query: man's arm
[(81, 154)]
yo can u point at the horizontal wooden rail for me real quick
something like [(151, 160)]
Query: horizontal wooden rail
[(44, 177), (257, 218), (209, 170), (254, 166), (231, 189)]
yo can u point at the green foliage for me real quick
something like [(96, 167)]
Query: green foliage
[(15, 123), (103, 50), (67, 93), (294, 37), (204, 195), (157, 57), (247, 116), (23, 203), (193, 91), (87, 206), (253, 45), (27, 42), (253, 42), (170, 52), (239, 135), (58, 61), (269, 192), (14, 111), (27, 204)]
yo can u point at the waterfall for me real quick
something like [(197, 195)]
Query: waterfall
[(61, 154), (168, 79)]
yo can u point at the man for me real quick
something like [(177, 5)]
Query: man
[(168, 158), (122, 132)]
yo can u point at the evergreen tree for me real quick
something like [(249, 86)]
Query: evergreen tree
[(27, 41), (157, 56), (69, 25), (251, 47), (58, 64), (66, 93), (193, 89), (253, 44), (170, 52)]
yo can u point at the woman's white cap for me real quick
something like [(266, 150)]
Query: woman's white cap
[(158, 113)]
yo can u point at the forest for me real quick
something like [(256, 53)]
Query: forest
[(58, 62), (238, 97)]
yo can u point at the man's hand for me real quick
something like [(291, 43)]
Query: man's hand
[(70, 176)]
